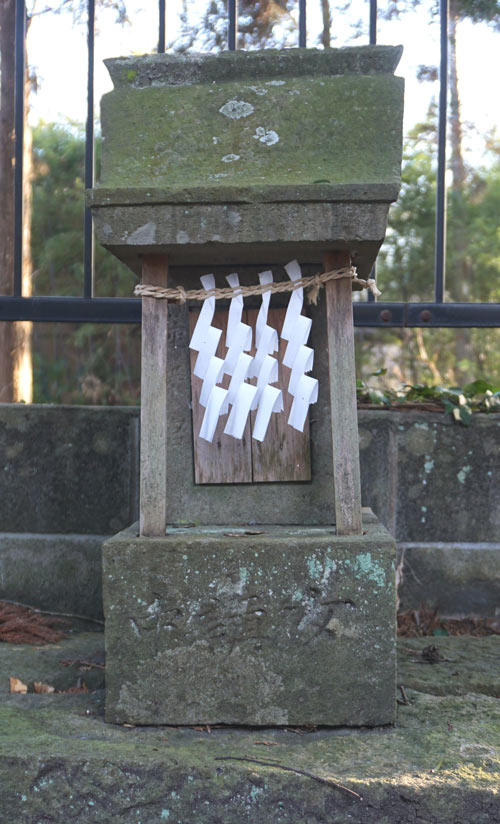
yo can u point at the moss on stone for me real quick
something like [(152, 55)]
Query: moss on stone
[(459, 672), (176, 69), (440, 764), (306, 130), (43, 663)]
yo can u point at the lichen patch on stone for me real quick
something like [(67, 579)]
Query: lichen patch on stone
[(143, 234), (267, 136), (258, 90), (462, 475), (235, 109)]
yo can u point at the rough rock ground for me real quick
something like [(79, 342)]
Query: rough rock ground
[(440, 764)]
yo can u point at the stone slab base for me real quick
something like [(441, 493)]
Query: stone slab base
[(292, 625), (53, 572), (440, 763), (459, 580)]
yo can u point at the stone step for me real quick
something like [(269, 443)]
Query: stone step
[(44, 663), (440, 764), (457, 579)]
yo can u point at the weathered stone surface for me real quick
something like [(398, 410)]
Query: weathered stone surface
[(175, 70), (67, 468), (44, 663), (290, 626), (55, 480), (460, 672), (221, 233), (456, 579), (444, 482), (53, 572), (212, 160), (448, 478), (440, 764), (235, 132)]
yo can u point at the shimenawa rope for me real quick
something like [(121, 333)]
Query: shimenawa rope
[(312, 283)]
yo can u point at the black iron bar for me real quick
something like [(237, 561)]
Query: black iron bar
[(302, 24), (19, 145), (232, 32), (71, 310), (440, 239), (161, 25), (88, 233), (373, 22), (373, 41), (128, 310)]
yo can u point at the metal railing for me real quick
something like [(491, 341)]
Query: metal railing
[(128, 310)]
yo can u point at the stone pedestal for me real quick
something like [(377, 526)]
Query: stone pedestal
[(267, 626)]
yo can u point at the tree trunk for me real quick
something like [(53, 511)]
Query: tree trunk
[(327, 23), (461, 278), (15, 338), (457, 164)]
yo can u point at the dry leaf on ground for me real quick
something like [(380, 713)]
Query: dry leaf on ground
[(74, 690), (17, 686), (39, 687), (415, 623), (21, 625)]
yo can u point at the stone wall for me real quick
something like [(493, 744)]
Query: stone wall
[(70, 472)]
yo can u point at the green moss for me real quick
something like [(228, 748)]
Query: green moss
[(340, 129), (439, 764), (442, 759)]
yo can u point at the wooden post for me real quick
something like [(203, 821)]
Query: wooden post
[(153, 483), (345, 440)]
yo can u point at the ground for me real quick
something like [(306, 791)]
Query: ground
[(440, 763)]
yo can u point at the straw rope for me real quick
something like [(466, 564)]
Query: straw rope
[(312, 283)]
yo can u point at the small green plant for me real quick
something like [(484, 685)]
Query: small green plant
[(459, 402)]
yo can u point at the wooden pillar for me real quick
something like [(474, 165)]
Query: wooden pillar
[(153, 483), (345, 440)]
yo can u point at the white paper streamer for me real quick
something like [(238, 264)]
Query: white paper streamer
[(241, 396), (295, 303), (266, 338), (239, 376), (207, 351), (238, 334), (235, 308), (234, 324), (205, 317), (242, 341), (271, 401), (267, 374), (212, 412), (212, 376), (237, 419), (297, 339), (264, 279), (268, 345), (304, 362), (306, 393)]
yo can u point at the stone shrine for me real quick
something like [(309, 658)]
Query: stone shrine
[(255, 590)]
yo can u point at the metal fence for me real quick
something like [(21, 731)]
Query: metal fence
[(127, 310)]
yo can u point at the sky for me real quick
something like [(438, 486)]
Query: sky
[(57, 51)]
